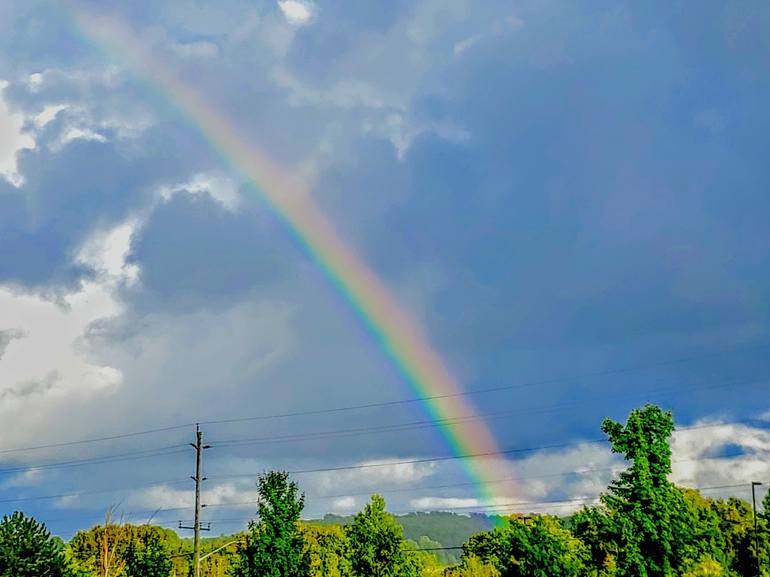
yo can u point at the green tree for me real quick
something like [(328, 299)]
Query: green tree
[(377, 544), (535, 546), (275, 546), (28, 550), (329, 551), (736, 520), (594, 528), (472, 567), (652, 534), (148, 557)]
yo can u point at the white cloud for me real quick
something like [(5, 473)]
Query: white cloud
[(12, 140), (48, 114), (500, 27), (344, 505), (697, 461), (50, 363), (217, 186), (23, 479), (375, 474), (296, 12), (466, 44), (75, 133), (445, 503)]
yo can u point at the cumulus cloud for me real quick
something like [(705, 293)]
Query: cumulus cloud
[(218, 186), (12, 140), (721, 455), (8, 335), (449, 144), (297, 12), (53, 365)]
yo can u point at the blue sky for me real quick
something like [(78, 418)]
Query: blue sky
[(573, 196)]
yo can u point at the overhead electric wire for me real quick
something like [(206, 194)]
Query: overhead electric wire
[(147, 453), (471, 392), (414, 425), (502, 507), (95, 492), (534, 448), (491, 508), (486, 390)]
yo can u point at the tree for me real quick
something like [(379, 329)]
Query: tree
[(28, 550), (275, 546), (148, 556), (652, 534), (736, 521), (535, 546), (594, 528), (329, 551), (377, 544), (473, 567), (125, 550)]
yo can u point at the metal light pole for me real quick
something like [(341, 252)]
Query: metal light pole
[(754, 485)]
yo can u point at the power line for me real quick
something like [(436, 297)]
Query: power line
[(415, 425), (487, 390), (388, 463), (447, 457), (609, 372), (147, 453), (85, 493), (481, 508), (502, 507)]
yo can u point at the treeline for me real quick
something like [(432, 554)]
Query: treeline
[(643, 526)]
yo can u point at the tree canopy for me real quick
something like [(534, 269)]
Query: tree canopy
[(275, 545), (27, 549), (377, 544)]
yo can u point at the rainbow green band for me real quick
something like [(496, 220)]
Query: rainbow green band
[(288, 196)]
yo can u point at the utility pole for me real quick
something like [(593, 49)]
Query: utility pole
[(198, 478), (754, 485)]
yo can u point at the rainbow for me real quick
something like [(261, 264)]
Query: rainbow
[(289, 198)]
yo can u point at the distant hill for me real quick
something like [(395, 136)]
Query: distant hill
[(443, 528)]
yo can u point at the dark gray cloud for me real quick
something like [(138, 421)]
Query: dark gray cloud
[(553, 191)]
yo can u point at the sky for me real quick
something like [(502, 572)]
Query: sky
[(569, 200)]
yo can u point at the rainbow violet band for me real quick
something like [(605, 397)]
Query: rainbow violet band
[(288, 196)]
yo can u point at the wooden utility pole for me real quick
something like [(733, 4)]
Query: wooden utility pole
[(198, 478), (754, 485)]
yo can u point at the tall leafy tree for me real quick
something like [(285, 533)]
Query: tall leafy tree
[(275, 546), (377, 544), (28, 550), (652, 522)]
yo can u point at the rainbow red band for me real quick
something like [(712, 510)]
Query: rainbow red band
[(288, 196)]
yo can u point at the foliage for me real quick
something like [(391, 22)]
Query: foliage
[(275, 546), (706, 566), (644, 527), (377, 544), (535, 546), (473, 567), (651, 532), (595, 529), (329, 551), (124, 551), (148, 557), (28, 550)]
